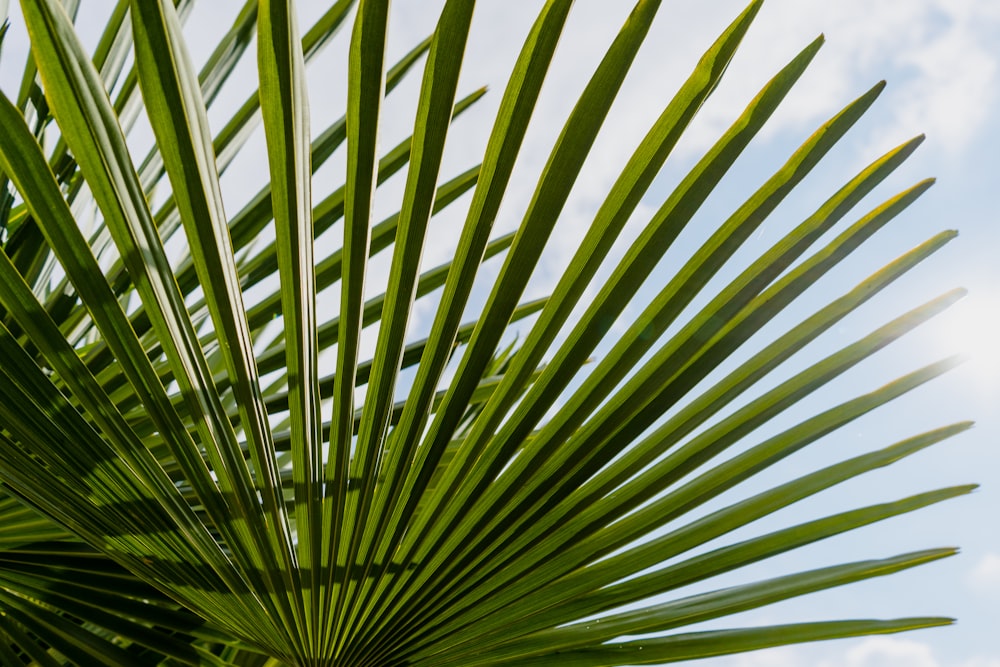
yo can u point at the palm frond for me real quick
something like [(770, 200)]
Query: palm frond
[(202, 465)]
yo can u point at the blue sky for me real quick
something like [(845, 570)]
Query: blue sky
[(941, 59)]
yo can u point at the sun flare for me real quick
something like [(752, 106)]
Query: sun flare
[(972, 329)]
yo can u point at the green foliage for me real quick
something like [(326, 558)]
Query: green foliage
[(182, 486)]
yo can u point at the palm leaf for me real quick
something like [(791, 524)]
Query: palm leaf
[(201, 466)]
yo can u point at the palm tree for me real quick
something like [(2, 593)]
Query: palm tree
[(201, 466)]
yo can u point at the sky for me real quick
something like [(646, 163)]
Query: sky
[(941, 59)]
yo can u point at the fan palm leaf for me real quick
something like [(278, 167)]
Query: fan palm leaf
[(201, 466)]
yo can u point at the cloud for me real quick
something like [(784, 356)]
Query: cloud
[(938, 56), (774, 657), (886, 652), (870, 652), (985, 576)]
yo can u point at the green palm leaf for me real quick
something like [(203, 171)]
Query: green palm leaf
[(202, 467)]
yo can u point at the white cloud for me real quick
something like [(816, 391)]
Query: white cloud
[(886, 652), (774, 657), (981, 662), (939, 58), (985, 576), (870, 652)]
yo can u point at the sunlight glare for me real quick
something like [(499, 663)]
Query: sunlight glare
[(971, 328)]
